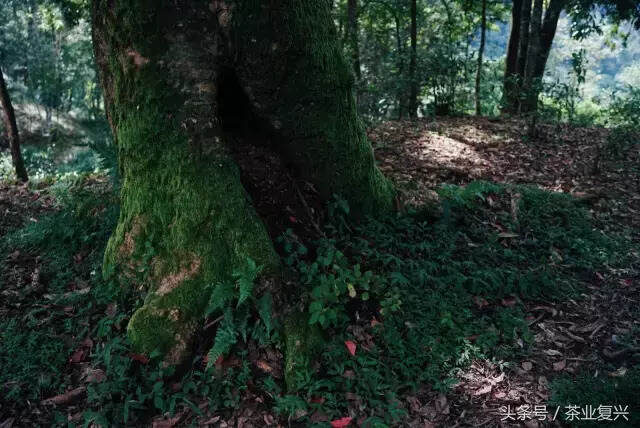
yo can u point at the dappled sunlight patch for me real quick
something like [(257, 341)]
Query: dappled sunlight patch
[(421, 155)]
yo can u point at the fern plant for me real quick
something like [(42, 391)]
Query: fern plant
[(236, 302)]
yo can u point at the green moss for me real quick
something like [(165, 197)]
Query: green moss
[(314, 104), (185, 219), (302, 341)]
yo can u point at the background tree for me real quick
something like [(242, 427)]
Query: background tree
[(352, 36), (11, 126), (535, 36), (483, 32), (413, 95)]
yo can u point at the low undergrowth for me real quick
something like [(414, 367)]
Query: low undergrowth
[(420, 295), (619, 395), (425, 293)]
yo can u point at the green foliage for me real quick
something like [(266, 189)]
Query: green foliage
[(89, 149), (624, 114), (46, 51), (33, 359), (586, 390), (235, 301), (456, 279), (30, 360)]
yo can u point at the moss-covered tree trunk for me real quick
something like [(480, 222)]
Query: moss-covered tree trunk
[(186, 221)]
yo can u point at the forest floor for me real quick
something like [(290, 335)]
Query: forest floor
[(595, 332), (577, 335)]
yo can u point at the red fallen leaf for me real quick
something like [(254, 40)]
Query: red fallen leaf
[(292, 219), (509, 301), (140, 358), (341, 423), (351, 347), (319, 400)]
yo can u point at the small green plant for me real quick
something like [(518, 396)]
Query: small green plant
[(624, 114), (235, 300)]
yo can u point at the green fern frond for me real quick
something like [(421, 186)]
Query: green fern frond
[(222, 294), (265, 309), (246, 279), (226, 337)]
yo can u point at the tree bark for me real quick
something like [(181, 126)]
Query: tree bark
[(483, 29), (523, 48), (530, 90), (547, 34), (353, 36), (165, 69), (413, 95), (510, 102), (11, 126), (400, 64)]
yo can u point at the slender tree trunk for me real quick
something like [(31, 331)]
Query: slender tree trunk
[(510, 97), (9, 117), (413, 95), (523, 47), (171, 72), (547, 34), (353, 36), (533, 56), (483, 29), (400, 64)]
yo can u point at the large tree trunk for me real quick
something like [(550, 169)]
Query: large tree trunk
[(530, 86), (353, 36), (9, 116), (483, 29), (413, 90), (175, 75), (510, 97)]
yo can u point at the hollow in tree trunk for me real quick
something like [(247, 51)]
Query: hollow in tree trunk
[(9, 117), (175, 75)]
